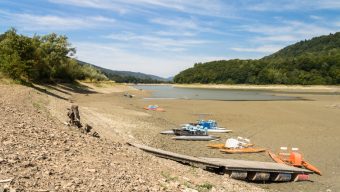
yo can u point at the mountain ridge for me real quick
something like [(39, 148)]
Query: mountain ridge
[(126, 75)]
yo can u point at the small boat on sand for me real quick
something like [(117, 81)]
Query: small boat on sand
[(293, 159), (190, 131), (171, 132), (208, 124), (243, 150), (237, 145), (196, 138), (168, 132), (222, 146), (154, 108)]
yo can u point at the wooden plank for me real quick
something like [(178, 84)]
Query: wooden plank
[(236, 164), (175, 156), (226, 164)]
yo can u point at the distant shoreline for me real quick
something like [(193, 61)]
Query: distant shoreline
[(307, 88)]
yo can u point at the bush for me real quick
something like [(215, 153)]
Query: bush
[(45, 58)]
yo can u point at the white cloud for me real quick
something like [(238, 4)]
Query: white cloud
[(52, 22), (178, 23), (98, 4), (175, 33), (157, 43), (163, 64), (260, 49), (287, 31), (316, 17), (292, 5), (215, 8)]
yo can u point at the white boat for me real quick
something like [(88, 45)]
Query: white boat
[(219, 130), (168, 132), (171, 132), (216, 128), (196, 138)]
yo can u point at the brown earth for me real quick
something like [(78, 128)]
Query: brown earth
[(312, 125), (40, 153)]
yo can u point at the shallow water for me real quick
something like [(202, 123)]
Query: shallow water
[(170, 92)]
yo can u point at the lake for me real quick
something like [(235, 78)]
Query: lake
[(170, 92)]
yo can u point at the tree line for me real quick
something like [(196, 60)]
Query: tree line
[(312, 62), (45, 58)]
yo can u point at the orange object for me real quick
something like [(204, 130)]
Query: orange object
[(296, 160), (216, 146), (311, 167), (276, 158), (243, 150)]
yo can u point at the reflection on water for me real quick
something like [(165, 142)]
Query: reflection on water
[(169, 92)]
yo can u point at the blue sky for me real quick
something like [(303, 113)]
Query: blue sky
[(163, 37)]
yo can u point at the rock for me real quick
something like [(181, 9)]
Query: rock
[(91, 170), (27, 164)]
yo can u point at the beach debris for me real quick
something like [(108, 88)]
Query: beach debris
[(6, 181), (154, 108), (5, 185), (74, 120), (210, 125), (334, 106), (243, 150), (74, 117), (191, 130), (237, 145), (200, 128), (128, 95), (293, 158), (236, 169)]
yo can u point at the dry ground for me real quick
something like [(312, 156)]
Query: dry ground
[(40, 153)]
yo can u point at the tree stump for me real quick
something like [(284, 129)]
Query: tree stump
[(74, 116)]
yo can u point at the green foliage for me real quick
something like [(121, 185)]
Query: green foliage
[(92, 74), (45, 58), (205, 187), (316, 61), (127, 76)]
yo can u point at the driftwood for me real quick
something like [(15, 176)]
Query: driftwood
[(74, 116), (74, 120), (6, 181)]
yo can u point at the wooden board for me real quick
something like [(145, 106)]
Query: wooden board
[(225, 164), (236, 164)]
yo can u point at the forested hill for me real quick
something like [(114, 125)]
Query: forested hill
[(127, 76), (323, 45), (315, 61)]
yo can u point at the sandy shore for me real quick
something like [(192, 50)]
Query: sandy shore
[(311, 125)]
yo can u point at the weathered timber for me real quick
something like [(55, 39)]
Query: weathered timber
[(6, 181), (228, 165), (74, 116)]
